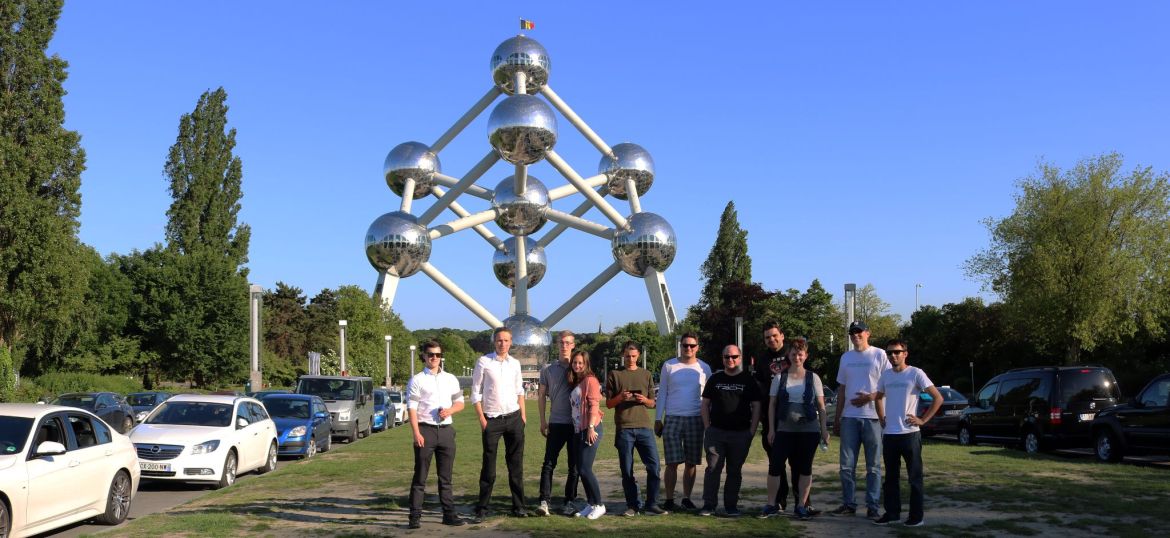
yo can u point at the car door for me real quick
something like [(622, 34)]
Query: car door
[(51, 479), (93, 449), (1015, 406), (266, 431), (243, 438), (1148, 425), (981, 415), (321, 425)]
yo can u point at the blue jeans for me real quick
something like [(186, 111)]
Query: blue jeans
[(856, 432), (586, 453), (642, 439)]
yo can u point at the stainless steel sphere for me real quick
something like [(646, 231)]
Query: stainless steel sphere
[(411, 160), (633, 162), (504, 263), (522, 128), (397, 243), (520, 54), (520, 214), (646, 243), (530, 343)]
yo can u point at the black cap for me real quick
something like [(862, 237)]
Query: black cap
[(857, 326)]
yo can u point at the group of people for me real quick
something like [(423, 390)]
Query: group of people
[(702, 417)]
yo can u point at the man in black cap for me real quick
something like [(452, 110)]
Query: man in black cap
[(856, 423)]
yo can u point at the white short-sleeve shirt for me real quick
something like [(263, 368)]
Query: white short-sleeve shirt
[(429, 392), (859, 372), (901, 391), (496, 385)]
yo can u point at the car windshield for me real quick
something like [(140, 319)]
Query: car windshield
[(1085, 385), (13, 434), (379, 398), (287, 407), (396, 397), (952, 395), (329, 389), (192, 414), (141, 399), (81, 401)]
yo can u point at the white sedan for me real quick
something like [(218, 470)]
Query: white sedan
[(206, 438), (61, 465)]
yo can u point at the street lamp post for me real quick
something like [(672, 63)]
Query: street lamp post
[(341, 324), (739, 333), (389, 379), (916, 288), (255, 379), (412, 348), (972, 364)]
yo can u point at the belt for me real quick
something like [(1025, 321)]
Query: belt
[(507, 415), (434, 425)]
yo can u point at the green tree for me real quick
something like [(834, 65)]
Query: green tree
[(322, 333), (875, 312), (42, 279), (1084, 258), (206, 327), (728, 260), (367, 324), (285, 327)]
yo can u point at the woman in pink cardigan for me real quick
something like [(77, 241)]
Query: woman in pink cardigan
[(585, 401)]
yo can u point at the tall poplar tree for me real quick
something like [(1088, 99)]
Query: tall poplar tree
[(206, 328), (728, 260), (42, 278)]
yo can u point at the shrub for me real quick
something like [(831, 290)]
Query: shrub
[(55, 383)]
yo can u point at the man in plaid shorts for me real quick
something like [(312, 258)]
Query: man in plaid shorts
[(679, 419)]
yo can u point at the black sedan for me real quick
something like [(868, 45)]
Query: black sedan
[(947, 419), (111, 407), (145, 402), (1141, 426)]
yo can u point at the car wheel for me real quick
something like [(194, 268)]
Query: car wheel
[(229, 471), (353, 432), (966, 438), (117, 502), (127, 425), (369, 428), (5, 520), (270, 462), (1031, 441), (328, 443), (1107, 447), (312, 449)]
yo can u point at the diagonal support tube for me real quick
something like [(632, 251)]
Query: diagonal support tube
[(407, 195), (462, 223), (563, 167), (462, 122), (578, 298), (521, 288), (568, 190), (576, 120), (632, 196), (578, 223), (473, 190), (461, 295), (560, 228), (480, 229), (475, 173)]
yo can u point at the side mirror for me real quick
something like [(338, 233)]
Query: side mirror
[(241, 423), (100, 406), (321, 415), (49, 448)]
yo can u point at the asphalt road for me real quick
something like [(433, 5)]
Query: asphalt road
[(153, 496)]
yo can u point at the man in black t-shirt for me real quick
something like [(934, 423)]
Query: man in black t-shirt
[(731, 412)]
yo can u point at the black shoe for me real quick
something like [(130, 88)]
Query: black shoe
[(518, 513), (871, 513), (913, 522), (885, 519), (413, 523), (453, 520), (688, 505), (669, 506), (481, 515), (812, 511), (654, 510), (843, 511)]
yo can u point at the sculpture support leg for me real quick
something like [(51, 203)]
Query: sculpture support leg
[(660, 301)]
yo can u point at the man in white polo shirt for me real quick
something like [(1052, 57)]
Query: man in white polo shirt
[(497, 392), (856, 423), (431, 398), (679, 418)]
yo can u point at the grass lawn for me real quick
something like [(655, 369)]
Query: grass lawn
[(361, 490)]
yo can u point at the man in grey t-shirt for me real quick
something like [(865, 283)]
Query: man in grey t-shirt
[(558, 427)]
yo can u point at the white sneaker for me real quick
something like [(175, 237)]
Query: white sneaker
[(543, 508), (570, 509), (597, 511), (584, 511)]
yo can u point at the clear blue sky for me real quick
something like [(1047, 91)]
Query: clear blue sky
[(861, 141)]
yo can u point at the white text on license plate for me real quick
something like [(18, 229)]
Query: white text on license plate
[(1085, 417), (164, 467), (951, 412)]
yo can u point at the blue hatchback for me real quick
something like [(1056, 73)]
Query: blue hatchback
[(382, 410), (302, 423)]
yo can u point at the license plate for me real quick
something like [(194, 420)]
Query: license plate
[(952, 412), (163, 467), (1085, 417)]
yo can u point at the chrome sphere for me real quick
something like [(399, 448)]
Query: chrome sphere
[(504, 263), (633, 162), (520, 54), (411, 160), (522, 128), (520, 214), (397, 243), (530, 343), (646, 243)]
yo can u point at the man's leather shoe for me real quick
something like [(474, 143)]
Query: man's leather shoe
[(453, 520)]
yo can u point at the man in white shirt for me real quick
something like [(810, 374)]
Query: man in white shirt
[(679, 418), (431, 398), (497, 392), (901, 439), (856, 422)]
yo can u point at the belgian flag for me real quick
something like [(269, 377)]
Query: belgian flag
[(527, 25)]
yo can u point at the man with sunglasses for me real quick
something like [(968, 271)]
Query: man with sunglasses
[(679, 420), (432, 396), (856, 423), (558, 427), (497, 392), (731, 412), (901, 439)]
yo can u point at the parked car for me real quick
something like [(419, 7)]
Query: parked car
[(109, 406), (260, 394), (60, 465), (398, 398), (1040, 408), (144, 402), (1141, 426), (382, 408), (302, 424), (206, 438), (350, 401), (947, 418)]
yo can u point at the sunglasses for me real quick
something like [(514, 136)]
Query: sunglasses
[(731, 357), (689, 346), (429, 354), (895, 351)]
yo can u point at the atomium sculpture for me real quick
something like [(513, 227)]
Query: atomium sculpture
[(522, 130)]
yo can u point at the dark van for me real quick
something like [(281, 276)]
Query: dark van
[(350, 401), (1040, 408)]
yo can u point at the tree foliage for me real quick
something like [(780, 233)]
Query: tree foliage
[(1083, 259), (42, 279), (728, 262), (875, 312)]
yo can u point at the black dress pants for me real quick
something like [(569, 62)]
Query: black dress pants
[(511, 428), (439, 442)]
